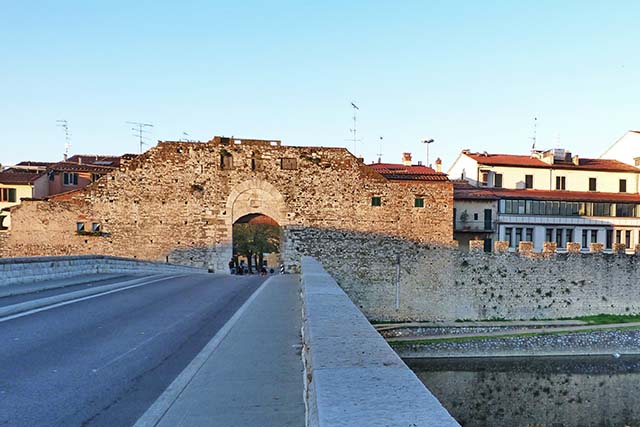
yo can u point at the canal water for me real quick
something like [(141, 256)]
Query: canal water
[(536, 391)]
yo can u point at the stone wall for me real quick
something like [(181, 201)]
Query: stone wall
[(394, 279), (178, 201)]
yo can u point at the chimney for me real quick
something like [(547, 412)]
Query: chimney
[(406, 159), (65, 157), (438, 165), (79, 160), (576, 160)]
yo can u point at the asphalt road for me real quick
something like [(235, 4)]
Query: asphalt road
[(103, 361)]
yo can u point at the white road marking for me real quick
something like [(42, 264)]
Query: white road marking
[(73, 301)]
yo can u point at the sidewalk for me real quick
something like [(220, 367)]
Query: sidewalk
[(252, 376)]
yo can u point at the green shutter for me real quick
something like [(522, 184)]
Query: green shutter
[(12, 194)]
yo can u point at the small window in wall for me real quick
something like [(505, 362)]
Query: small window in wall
[(618, 236), (257, 164), (507, 235), (609, 241), (287, 163), (529, 234), (8, 195), (561, 182), (226, 161), (376, 201), (627, 238), (95, 227), (485, 178), (584, 238), (80, 227), (498, 180), (548, 235), (95, 177), (418, 202), (475, 216), (623, 185), (528, 181), (592, 184), (70, 178)]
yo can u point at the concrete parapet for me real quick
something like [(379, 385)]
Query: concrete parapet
[(501, 246), (34, 269), (352, 376), (596, 248), (525, 248), (573, 248), (476, 245), (619, 248), (549, 247)]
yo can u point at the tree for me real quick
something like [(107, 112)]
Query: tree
[(254, 240)]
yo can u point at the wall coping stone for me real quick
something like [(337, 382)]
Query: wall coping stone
[(352, 376)]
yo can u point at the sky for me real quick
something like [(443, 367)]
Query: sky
[(469, 74)]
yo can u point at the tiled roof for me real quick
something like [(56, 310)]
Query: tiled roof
[(29, 163), (530, 162), (76, 167), (95, 159), (408, 173), (18, 177), (462, 192)]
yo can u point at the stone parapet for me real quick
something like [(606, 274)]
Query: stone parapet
[(596, 248), (549, 247), (619, 248), (476, 245), (525, 248), (349, 366), (573, 248)]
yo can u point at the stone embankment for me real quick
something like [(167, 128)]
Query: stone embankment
[(507, 341), (34, 269)]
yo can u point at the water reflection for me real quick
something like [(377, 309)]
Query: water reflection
[(536, 392)]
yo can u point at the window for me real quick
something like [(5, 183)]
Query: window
[(627, 238), (625, 209), (584, 238), (418, 202), (95, 177), (594, 236), (475, 216), (618, 236), (498, 180), (548, 235), (288, 163), (95, 227), (528, 181), (226, 161), (559, 236), (70, 178), (592, 184), (529, 234), (257, 164), (507, 235), (376, 201), (518, 235), (8, 195), (623, 185), (609, 241), (561, 182), (485, 178), (80, 227)]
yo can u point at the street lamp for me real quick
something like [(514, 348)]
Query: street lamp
[(427, 142)]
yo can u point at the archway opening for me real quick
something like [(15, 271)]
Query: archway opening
[(256, 245)]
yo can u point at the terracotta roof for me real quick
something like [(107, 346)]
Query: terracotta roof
[(408, 173), (530, 162), (461, 192), (29, 163), (18, 177), (76, 167)]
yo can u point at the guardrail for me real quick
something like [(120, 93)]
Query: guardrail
[(33, 269), (352, 376)]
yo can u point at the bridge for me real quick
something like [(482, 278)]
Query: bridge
[(97, 340)]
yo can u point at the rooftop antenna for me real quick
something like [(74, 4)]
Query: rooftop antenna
[(185, 137), (354, 131), (64, 124), (380, 151), (140, 132), (535, 133)]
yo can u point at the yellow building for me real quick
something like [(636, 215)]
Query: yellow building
[(16, 184)]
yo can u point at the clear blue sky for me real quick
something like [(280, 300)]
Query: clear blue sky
[(471, 74)]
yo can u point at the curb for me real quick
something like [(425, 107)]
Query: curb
[(56, 299), (161, 406)]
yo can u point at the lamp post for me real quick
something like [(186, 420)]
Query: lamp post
[(427, 141)]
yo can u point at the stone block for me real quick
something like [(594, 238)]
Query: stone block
[(573, 248), (596, 248), (476, 245), (525, 248), (619, 248), (501, 246), (549, 247)]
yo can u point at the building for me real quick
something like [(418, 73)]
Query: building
[(626, 149), (26, 180), (548, 196)]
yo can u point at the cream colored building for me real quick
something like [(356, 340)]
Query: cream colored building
[(17, 184), (552, 196), (626, 149)]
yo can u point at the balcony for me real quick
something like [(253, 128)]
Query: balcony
[(474, 226)]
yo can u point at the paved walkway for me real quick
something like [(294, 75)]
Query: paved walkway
[(252, 376)]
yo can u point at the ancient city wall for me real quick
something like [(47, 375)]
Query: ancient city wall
[(178, 201), (393, 279)]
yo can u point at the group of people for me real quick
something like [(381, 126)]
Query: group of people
[(242, 268)]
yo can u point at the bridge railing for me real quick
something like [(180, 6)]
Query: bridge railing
[(352, 376)]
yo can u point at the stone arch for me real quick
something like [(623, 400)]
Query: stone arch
[(250, 197)]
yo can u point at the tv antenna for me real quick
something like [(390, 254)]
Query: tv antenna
[(140, 131), (185, 137), (380, 151), (64, 124), (354, 130), (535, 133)]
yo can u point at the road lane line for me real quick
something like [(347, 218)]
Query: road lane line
[(53, 304)]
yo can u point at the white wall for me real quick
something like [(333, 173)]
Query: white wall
[(464, 165), (624, 149)]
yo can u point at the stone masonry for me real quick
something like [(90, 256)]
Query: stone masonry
[(178, 201)]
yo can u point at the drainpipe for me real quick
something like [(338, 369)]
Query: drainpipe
[(398, 282)]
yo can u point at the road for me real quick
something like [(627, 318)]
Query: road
[(103, 361)]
